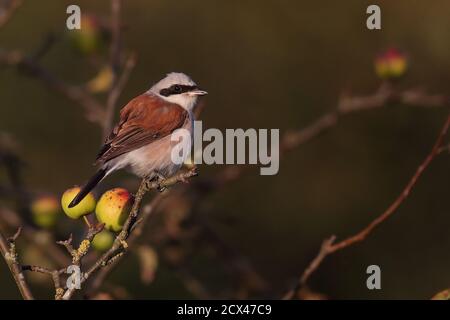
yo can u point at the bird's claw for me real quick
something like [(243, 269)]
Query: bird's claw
[(159, 178)]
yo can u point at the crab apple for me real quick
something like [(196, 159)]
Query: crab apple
[(86, 206), (391, 64), (45, 211), (103, 241), (113, 208), (89, 38)]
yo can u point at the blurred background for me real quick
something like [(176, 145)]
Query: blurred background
[(266, 64)]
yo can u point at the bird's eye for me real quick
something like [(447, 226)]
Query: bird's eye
[(177, 88)]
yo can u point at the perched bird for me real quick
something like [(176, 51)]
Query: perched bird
[(141, 141)]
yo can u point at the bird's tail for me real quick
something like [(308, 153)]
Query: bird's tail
[(92, 182)]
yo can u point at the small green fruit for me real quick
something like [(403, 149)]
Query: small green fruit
[(45, 210), (86, 206), (113, 208), (103, 241)]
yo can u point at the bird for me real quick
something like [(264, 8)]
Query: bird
[(141, 140)]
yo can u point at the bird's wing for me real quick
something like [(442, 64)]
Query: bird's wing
[(143, 120)]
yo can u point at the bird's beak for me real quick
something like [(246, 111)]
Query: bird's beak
[(197, 92)]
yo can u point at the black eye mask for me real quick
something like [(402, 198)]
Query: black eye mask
[(176, 89)]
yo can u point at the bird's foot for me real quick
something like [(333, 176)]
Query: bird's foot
[(154, 180), (158, 178)]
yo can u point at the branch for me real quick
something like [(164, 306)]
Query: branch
[(115, 55), (442, 295), (115, 92), (146, 212), (46, 245), (8, 251), (120, 245), (116, 43), (8, 12), (83, 248), (329, 247), (291, 140)]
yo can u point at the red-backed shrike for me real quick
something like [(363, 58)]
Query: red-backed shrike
[(142, 140)]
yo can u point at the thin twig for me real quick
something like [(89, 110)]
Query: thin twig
[(328, 247), (115, 92), (8, 12), (54, 274), (384, 96), (325, 250), (12, 219)]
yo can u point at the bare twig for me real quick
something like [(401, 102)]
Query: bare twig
[(12, 218), (138, 227), (115, 58), (54, 274), (328, 247), (293, 139), (44, 239)]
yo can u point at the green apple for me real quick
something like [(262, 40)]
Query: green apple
[(113, 208), (86, 206), (45, 211), (103, 241)]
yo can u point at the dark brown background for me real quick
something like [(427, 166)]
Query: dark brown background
[(268, 64)]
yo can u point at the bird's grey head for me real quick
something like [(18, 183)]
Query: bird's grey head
[(178, 88)]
